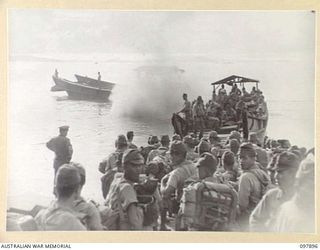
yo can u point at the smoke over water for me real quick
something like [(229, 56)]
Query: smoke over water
[(155, 92)]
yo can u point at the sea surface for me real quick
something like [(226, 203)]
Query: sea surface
[(143, 101)]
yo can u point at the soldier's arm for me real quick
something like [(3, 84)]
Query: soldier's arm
[(50, 145), (170, 187), (244, 193), (259, 216), (102, 166), (150, 156), (129, 201), (112, 162), (135, 216), (69, 149), (108, 163), (94, 220)]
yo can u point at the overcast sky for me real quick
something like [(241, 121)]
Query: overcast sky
[(278, 34)]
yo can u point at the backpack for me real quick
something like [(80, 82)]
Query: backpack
[(208, 206), (159, 169), (147, 201), (108, 176), (144, 151)]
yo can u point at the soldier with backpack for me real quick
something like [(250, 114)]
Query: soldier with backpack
[(298, 214), (173, 183), (253, 183), (206, 204), (230, 174), (92, 219), (153, 143), (123, 212), (60, 215), (112, 164), (161, 151), (264, 215)]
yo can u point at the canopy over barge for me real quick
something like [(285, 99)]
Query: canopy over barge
[(231, 80)]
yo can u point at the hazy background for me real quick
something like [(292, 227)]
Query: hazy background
[(153, 57)]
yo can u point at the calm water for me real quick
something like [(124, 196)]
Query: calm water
[(35, 113)]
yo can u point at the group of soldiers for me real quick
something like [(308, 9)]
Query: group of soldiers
[(223, 109), (248, 186)]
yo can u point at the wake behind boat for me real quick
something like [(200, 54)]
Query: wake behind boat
[(87, 90)]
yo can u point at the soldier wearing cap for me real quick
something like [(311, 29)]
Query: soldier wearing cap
[(176, 137), (264, 215), (228, 164), (60, 215), (253, 138), (207, 166), (174, 181), (112, 164), (234, 146), (251, 183), (203, 147), (235, 135), (298, 214), (153, 143), (126, 196), (92, 216), (214, 139), (62, 148), (161, 151), (130, 136), (262, 155), (284, 144)]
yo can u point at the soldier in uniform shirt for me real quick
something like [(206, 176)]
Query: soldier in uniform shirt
[(174, 181), (62, 148)]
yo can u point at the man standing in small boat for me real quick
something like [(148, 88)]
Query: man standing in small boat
[(198, 116), (62, 148), (187, 111)]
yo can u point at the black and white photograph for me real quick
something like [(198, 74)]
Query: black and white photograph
[(158, 120)]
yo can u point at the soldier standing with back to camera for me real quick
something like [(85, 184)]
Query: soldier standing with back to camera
[(62, 148)]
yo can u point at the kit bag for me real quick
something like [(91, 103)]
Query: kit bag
[(208, 206)]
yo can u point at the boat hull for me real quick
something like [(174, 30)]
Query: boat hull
[(77, 90), (94, 83), (254, 125), (258, 126)]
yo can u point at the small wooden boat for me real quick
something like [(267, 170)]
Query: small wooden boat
[(94, 82), (80, 90)]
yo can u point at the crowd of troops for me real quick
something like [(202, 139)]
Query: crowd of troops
[(223, 109), (245, 186)]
